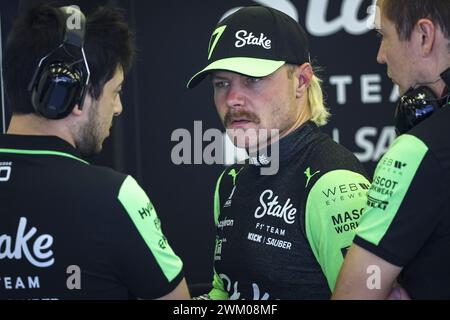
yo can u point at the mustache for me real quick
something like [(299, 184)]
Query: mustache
[(231, 116)]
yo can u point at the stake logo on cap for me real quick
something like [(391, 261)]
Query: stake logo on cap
[(246, 38), (254, 41)]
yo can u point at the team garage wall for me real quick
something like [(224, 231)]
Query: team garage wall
[(172, 37)]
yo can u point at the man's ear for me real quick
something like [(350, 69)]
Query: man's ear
[(426, 35), (304, 75), (77, 111)]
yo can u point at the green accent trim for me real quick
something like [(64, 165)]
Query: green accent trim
[(42, 152), (218, 291), (217, 199), (212, 44), (408, 152), (333, 208), (252, 67), (143, 214)]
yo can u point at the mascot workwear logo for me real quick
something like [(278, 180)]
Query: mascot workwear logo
[(40, 256), (270, 206), (215, 37), (245, 38)]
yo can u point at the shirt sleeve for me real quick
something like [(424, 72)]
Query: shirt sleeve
[(334, 206), (149, 266), (404, 202)]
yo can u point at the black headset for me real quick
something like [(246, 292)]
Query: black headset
[(418, 104), (61, 78)]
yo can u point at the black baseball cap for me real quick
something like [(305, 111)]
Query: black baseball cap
[(255, 41)]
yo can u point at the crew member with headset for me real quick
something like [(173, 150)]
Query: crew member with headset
[(404, 235), (69, 229)]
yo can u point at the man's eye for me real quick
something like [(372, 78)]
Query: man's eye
[(220, 84), (253, 79)]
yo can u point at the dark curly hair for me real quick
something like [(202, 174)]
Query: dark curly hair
[(109, 43)]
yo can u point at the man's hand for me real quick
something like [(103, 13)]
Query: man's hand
[(398, 293)]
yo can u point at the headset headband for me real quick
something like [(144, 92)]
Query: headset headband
[(73, 35)]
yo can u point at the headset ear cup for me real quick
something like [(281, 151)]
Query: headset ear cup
[(57, 91), (413, 107), (61, 77), (40, 96), (403, 118)]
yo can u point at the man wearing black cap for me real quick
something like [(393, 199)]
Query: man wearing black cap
[(279, 236), (404, 235)]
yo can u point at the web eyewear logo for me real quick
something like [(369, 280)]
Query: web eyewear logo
[(389, 162), (399, 165), (215, 37)]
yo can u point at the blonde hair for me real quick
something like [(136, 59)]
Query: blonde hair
[(319, 111)]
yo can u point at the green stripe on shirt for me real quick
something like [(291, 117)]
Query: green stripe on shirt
[(334, 207), (42, 152), (392, 179), (143, 214)]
